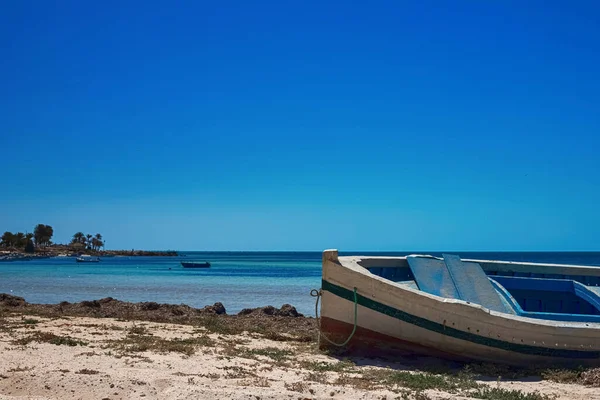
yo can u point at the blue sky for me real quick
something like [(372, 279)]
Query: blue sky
[(282, 125)]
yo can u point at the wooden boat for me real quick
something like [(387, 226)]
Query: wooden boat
[(195, 264), (515, 313), (87, 259)]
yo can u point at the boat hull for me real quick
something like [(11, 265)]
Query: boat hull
[(395, 318), (195, 265)]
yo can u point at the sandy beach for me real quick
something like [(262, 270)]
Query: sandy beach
[(264, 354)]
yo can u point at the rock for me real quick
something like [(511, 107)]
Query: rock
[(288, 310), (91, 304), (11, 301), (177, 311), (217, 308), (106, 300), (285, 311), (150, 305), (268, 310)]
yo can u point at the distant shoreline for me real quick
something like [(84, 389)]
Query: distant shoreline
[(14, 254)]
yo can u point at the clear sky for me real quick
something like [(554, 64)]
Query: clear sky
[(299, 125)]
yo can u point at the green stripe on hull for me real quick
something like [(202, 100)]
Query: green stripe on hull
[(453, 332)]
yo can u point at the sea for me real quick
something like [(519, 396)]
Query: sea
[(237, 279)]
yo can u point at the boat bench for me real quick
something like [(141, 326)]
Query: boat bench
[(454, 279)]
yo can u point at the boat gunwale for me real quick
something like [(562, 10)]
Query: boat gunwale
[(504, 266)]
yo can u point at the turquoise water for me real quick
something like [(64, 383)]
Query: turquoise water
[(237, 279)]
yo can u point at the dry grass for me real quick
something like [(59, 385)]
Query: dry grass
[(269, 352), (318, 377), (257, 382), (134, 343), (588, 377), (299, 386), (273, 328), (86, 371), (47, 337), (340, 366), (496, 393), (237, 372), (138, 330), (414, 384)]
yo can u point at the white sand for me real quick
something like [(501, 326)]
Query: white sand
[(216, 371)]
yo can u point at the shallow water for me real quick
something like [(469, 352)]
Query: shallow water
[(236, 279)]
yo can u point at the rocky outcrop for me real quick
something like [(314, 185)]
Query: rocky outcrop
[(285, 311), (11, 301), (149, 310)]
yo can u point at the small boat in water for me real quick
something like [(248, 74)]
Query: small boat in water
[(195, 264), (87, 259), (515, 313)]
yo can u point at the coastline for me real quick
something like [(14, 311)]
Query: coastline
[(65, 251)]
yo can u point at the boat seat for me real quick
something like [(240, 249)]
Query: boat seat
[(454, 279), (432, 276), (473, 284)]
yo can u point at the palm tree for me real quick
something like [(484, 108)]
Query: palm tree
[(78, 237), (89, 240), (98, 241)]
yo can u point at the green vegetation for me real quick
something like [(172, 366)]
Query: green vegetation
[(46, 337), (15, 240), (42, 235), (86, 371), (42, 238), (412, 385), (134, 343), (88, 241), (495, 393)]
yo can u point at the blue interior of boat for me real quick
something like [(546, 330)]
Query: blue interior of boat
[(555, 299), (542, 296)]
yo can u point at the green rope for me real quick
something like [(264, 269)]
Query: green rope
[(318, 293)]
